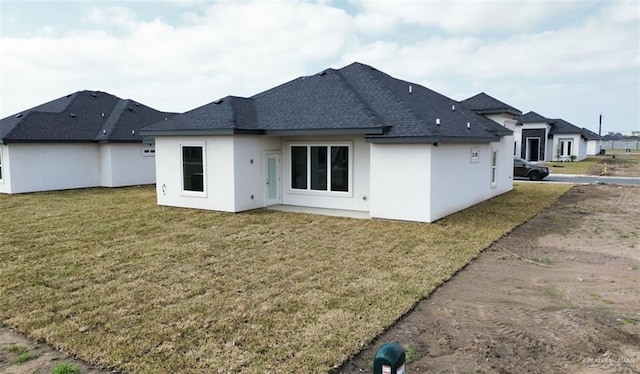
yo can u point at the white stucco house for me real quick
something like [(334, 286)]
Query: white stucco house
[(85, 139), (351, 139), (539, 138), (594, 140), (495, 110)]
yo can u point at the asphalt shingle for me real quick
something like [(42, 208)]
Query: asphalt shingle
[(84, 116), (486, 104), (357, 98)]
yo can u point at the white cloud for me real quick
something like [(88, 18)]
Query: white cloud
[(112, 15), (457, 16), (230, 48), (210, 50), (597, 45)]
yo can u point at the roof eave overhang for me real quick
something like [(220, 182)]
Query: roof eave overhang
[(499, 111), (430, 139), (284, 132), (112, 141), (332, 131), (201, 132), (501, 132), (43, 141)]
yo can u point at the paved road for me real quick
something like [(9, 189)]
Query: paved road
[(588, 179)]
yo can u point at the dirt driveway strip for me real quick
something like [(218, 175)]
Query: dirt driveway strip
[(560, 294)]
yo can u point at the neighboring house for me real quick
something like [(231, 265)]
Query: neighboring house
[(492, 108), (538, 138), (352, 139), (495, 110), (85, 139), (594, 145)]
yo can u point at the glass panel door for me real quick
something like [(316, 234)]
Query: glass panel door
[(273, 179)]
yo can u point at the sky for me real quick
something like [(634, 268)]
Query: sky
[(562, 59)]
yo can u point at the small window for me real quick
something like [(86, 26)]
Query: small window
[(494, 167), (565, 147), (193, 168), (475, 154)]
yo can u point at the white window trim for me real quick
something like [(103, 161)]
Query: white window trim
[(2, 170), (563, 143), (494, 168), (309, 191), (184, 192)]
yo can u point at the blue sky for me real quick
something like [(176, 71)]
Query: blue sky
[(562, 59)]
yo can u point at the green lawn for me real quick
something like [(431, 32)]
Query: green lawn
[(587, 166), (108, 275)]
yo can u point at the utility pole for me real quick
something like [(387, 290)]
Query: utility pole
[(600, 126)]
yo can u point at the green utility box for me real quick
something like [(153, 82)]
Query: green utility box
[(389, 359)]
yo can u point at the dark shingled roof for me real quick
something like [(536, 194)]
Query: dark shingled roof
[(84, 116), (532, 116), (590, 135), (485, 104), (561, 126), (356, 99)]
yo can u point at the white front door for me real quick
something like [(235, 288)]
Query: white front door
[(272, 174)]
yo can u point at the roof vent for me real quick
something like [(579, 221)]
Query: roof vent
[(133, 132), (18, 115), (453, 107), (72, 115), (102, 115), (219, 101), (136, 104), (322, 73), (410, 88), (468, 125), (438, 121), (104, 132), (130, 108), (94, 94)]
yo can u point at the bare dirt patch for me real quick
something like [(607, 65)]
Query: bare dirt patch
[(45, 359), (560, 294), (618, 164)]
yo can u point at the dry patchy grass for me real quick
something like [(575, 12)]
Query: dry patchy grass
[(108, 275), (586, 166)]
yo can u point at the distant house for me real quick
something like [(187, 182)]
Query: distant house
[(85, 139), (492, 108), (537, 138), (495, 110), (352, 139), (544, 139), (594, 142)]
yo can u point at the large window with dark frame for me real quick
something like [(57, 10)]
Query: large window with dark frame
[(193, 168), (320, 167)]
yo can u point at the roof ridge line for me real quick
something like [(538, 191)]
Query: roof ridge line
[(112, 119), (398, 100), (372, 112)]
